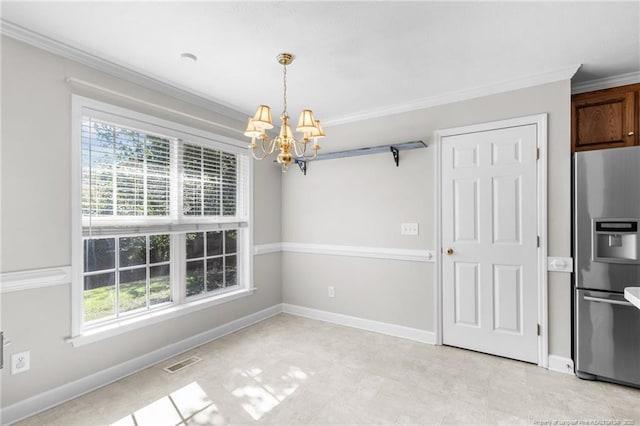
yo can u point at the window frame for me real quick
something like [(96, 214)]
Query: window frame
[(180, 305)]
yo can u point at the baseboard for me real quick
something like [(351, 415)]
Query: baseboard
[(66, 392), (561, 364), (361, 323)]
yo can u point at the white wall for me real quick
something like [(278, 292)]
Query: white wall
[(36, 222), (361, 201)]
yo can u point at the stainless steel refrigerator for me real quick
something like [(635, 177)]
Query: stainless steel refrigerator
[(607, 259)]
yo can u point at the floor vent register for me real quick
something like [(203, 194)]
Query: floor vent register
[(181, 365)]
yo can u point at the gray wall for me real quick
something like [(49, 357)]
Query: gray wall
[(356, 201), (36, 222), (361, 201)]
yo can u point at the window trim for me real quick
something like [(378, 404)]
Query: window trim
[(80, 333), (112, 329)]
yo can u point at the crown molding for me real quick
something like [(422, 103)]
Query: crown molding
[(43, 42), (606, 83), (50, 45), (461, 95)]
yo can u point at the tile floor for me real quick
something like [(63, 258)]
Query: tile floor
[(290, 370)]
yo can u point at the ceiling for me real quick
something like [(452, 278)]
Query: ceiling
[(352, 59)]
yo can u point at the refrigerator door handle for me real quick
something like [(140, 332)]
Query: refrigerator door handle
[(610, 301)]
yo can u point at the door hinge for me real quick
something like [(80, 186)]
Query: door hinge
[(538, 241), (537, 153), (538, 329)]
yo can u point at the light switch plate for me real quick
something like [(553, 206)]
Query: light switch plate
[(408, 229)]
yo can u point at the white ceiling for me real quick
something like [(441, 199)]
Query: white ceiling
[(352, 58)]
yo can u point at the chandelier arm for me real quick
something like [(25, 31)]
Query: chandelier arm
[(266, 150), (257, 157), (299, 151), (271, 146), (303, 154), (310, 157)]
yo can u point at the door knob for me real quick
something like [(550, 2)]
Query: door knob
[(630, 134), (449, 251)]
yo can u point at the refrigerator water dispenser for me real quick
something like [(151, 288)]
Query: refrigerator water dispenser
[(616, 240)]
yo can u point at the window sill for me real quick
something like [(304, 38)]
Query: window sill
[(98, 333)]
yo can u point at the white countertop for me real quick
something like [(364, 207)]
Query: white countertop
[(632, 294)]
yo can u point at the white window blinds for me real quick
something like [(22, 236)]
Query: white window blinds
[(137, 181)]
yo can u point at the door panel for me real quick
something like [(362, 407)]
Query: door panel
[(466, 210), (506, 209), (465, 157), (467, 296), (507, 299), (505, 153), (489, 221)]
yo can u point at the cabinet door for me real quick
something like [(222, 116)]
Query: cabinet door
[(603, 120)]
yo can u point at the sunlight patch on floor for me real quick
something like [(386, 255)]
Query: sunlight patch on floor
[(189, 403), (261, 395)]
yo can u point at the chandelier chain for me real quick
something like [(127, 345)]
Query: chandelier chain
[(284, 96)]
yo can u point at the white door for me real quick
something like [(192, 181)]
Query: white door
[(489, 242)]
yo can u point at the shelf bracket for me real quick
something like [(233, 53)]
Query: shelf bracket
[(396, 155), (302, 164)]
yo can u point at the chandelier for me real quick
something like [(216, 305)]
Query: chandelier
[(290, 147)]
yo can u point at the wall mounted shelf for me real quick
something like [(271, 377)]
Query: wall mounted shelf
[(394, 149)]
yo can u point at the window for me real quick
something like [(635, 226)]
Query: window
[(125, 275), (161, 217), (211, 261)]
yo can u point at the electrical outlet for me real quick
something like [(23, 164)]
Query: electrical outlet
[(20, 362), (331, 291), (408, 229)]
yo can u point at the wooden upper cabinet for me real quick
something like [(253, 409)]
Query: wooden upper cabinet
[(605, 118)]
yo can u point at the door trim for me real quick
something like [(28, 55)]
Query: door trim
[(540, 120)]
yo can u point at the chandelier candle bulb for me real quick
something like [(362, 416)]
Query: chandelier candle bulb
[(290, 148)]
